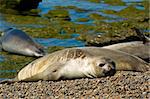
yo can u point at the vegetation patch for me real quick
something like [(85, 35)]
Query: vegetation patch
[(58, 14), (115, 2)]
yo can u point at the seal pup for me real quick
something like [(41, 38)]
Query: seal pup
[(137, 48), (17, 41), (79, 62)]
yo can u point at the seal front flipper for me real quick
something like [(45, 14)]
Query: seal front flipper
[(141, 35)]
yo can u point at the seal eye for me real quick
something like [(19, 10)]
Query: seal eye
[(101, 65), (54, 71)]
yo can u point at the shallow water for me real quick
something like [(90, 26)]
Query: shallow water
[(60, 42), (90, 7), (47, 5), (7, 71)]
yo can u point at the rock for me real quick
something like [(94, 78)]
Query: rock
[(18, 6), (58, 14)]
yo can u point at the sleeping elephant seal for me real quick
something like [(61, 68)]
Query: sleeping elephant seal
[(17, 41), (79, 62), (137, 48)]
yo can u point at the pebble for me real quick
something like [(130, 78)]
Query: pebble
[(124, 84)]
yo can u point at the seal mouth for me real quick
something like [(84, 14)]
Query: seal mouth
[(110, 73), (40, 52), (34, 52), (109, 69)]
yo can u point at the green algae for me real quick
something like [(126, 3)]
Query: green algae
[(21, 19), (115, 2), (96, 16), (13, 62), (130, 11), (58, 14), (94, 1), (8, 11), (109, 11), (54, 28), (82, 20), (54, 48)]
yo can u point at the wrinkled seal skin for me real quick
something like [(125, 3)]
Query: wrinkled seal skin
[(79, 62), (17, 41)]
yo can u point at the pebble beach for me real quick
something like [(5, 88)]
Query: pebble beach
[(124, 84), (59, 24)]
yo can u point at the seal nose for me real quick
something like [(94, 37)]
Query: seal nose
[(109, 69), (40, 52)]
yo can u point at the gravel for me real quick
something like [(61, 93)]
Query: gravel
[(124, 84)]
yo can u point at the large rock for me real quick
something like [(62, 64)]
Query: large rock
[(15, 6), (28, 4)]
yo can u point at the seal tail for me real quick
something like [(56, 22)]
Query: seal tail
[(141, 35), (9, 80)]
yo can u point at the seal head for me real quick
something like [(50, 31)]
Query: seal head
[(17, 41), (103, 66), (91, 67)]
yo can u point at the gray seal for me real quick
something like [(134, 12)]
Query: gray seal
[(17, 41)]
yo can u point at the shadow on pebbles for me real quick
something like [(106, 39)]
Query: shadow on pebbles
[(124, 84)]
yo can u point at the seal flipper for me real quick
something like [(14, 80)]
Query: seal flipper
[(141, 35), (9, 80)]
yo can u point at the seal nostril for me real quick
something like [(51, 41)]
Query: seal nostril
[(102, 64), (110, 73)]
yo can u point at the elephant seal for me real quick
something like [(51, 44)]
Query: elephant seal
[(17, 41), (137, 48), (79, 62)]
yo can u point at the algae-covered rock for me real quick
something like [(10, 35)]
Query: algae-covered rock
[(8, 6), (82, 20), (95, 1), (114, 2), (58, 14), (12, 4), (130, 11), (28, 4), (96, 16)]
